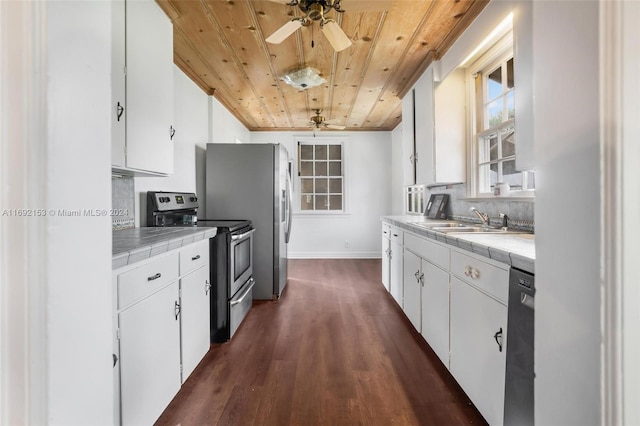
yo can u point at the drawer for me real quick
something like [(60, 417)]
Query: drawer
[(397, 235), (488, 278), (431, 251), (194, 256), (386, 231), (147, 279)]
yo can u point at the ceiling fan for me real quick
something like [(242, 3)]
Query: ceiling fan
[(314, 10), (318, 122)]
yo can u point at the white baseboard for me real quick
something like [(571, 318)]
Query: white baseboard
[(334, 255)]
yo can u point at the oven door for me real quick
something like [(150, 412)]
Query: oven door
[(240, 260)]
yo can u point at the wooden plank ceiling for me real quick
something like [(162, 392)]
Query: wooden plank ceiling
[(220, 45)]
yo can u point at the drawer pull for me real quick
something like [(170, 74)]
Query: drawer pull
[(195, 257), (154, 277), (395, 235), (498, 337), (471, 272)]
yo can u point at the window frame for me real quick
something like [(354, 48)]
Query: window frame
[(484, 62), (345, 179)]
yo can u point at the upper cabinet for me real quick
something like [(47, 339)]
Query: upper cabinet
[(434, 130), (142, 114)]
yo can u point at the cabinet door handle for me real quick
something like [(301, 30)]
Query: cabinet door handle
[(115, 360), (471, 272), (417, 275), (154, 277), (207, 287), (498, 337), (176, 310), (422, 279), (172, 132), (390, 253), (120, 111), (195, 257)]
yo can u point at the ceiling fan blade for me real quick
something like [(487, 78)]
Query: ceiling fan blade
[(335, 35), (366, 5), (284, 31), (335, 127)]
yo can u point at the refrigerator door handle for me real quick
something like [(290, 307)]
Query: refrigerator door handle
[(287, 234)]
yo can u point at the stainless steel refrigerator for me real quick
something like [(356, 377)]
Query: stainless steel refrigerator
[(252, 181)]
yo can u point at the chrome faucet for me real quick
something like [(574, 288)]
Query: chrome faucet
[(483, 216)]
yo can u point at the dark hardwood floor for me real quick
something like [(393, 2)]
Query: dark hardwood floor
[(334, 350)]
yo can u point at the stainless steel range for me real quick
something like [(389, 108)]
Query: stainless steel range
[(231, 257)]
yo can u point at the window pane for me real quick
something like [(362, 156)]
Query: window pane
[(322, 186), (322, 203), (510, 175), (494, 112), (335, 202), (335, 152), (494, 84), (493, 148), (306, 202), (306, 186), (510, 73), (335, 168), (306, 152), (321, 152), (335, 186), (511, 106), (321, 169), (508, 142), (306, 168)]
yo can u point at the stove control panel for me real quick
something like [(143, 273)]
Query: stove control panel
[(168, 201)]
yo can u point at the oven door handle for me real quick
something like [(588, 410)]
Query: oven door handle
[(242, 236), (252, 282)]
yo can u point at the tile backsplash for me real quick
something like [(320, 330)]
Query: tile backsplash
[(122, 202), (520, 212)]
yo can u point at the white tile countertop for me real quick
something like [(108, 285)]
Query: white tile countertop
[(135, 244), (514, 249)]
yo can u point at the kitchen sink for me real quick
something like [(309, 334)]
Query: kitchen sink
[(431, 225)]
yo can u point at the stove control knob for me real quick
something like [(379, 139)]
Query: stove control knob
[(193, 199)]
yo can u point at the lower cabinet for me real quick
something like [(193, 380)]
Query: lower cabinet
[(194, 324), (435, 309), (386, 256), (395, 271), (149, 356), (412, 288), (162, 329)]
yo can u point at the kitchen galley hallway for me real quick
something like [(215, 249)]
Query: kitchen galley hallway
[(334, 350)]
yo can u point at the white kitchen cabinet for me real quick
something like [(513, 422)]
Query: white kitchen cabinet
[(408, 140), (478, 331), (146, 147), (194, 323), (118, 79), (386, 257), (149, 356), (433, 118), (523, 35), (435, 309), (395, 265), (412, 285)]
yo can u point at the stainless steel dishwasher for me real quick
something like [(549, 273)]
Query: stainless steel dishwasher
[(519, 380)]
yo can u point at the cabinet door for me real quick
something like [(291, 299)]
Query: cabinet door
[(435, 310), (478, 325), (149, 87), (395, 272), (424, 125), (411, 288), (194, 322), (386, 246), (149, 356), (408, 140), (118, 112)]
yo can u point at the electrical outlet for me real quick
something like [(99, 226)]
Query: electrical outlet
[(346, 243)]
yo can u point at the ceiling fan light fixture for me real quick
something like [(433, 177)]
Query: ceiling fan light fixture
[(304, 78)]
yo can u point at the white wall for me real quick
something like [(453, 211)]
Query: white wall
[(78, 249), (368, 191), (193, 110), (568, 327)]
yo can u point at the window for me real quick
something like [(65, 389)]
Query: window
[(494, 140), (321, 171)]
